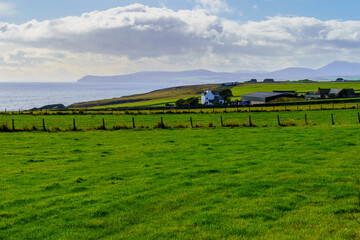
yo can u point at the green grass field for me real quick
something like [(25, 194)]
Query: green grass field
[(298, 87), (222, 183)]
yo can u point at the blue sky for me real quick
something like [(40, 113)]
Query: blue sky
[(243, 10), (64, 40)]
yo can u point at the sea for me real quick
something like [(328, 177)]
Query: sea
[(24, 96)]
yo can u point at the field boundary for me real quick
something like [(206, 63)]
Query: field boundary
[(10, 125)]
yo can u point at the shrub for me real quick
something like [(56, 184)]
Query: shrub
[(4, 127), (161, 125), (289, 123), (231, 124), (120, 126), (55, 129), (181, 125)]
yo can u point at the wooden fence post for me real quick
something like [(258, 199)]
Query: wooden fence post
[(162, 122), (332, 119), (133, 122), (191, 122), (221, 120), (306, 121), (359, 117), (103, 121), (278, 118), (249, 108), (13, 125), (250, 123), (44, 127), (74, 125)]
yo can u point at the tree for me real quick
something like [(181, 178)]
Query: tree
[(190, 102), (180, 102), (226, 94), (193, 101)]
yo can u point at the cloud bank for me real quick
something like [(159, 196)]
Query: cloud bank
[(138, 37)]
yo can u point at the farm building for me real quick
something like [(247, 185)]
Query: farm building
[(265, 97), (340, 80), (323, 93), (336, 93), (209, 98), (269, 80), (229, 84), (253, 80), (312, 95)]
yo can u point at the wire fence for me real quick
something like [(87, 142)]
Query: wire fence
[(70, 122)]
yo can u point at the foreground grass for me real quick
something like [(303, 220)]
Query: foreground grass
[(241, 183)]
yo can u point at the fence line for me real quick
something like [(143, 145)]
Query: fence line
[(199, 109), (115, 124)]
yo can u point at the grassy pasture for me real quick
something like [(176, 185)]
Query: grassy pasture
[(222, 183), (298, 87), (118, 120)]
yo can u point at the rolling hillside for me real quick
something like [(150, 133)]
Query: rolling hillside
[(158, 97), (170, 95)]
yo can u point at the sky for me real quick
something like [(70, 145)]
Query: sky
[(42, 40)]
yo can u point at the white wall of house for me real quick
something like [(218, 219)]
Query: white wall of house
[(206, 97)]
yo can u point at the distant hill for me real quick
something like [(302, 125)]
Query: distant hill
[(159, 75), (299, 73), (332, 70), (339, 69)]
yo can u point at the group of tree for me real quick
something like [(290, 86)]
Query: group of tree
[(226, 94), (190, 102)]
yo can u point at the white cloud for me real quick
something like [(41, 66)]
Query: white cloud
[(213, 6), (137, 37)]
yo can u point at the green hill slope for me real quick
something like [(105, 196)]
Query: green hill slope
[(170, 95)]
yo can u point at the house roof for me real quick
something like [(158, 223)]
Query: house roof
[(261, 96), (335, 91), (312, 93), (324, 91)]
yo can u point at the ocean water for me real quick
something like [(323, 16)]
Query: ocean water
[(23, 96)]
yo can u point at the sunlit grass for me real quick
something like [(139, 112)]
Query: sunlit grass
[(205, 183)]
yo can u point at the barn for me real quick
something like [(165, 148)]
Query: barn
[(265, 97)]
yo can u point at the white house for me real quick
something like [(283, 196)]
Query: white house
[(209, 98)]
